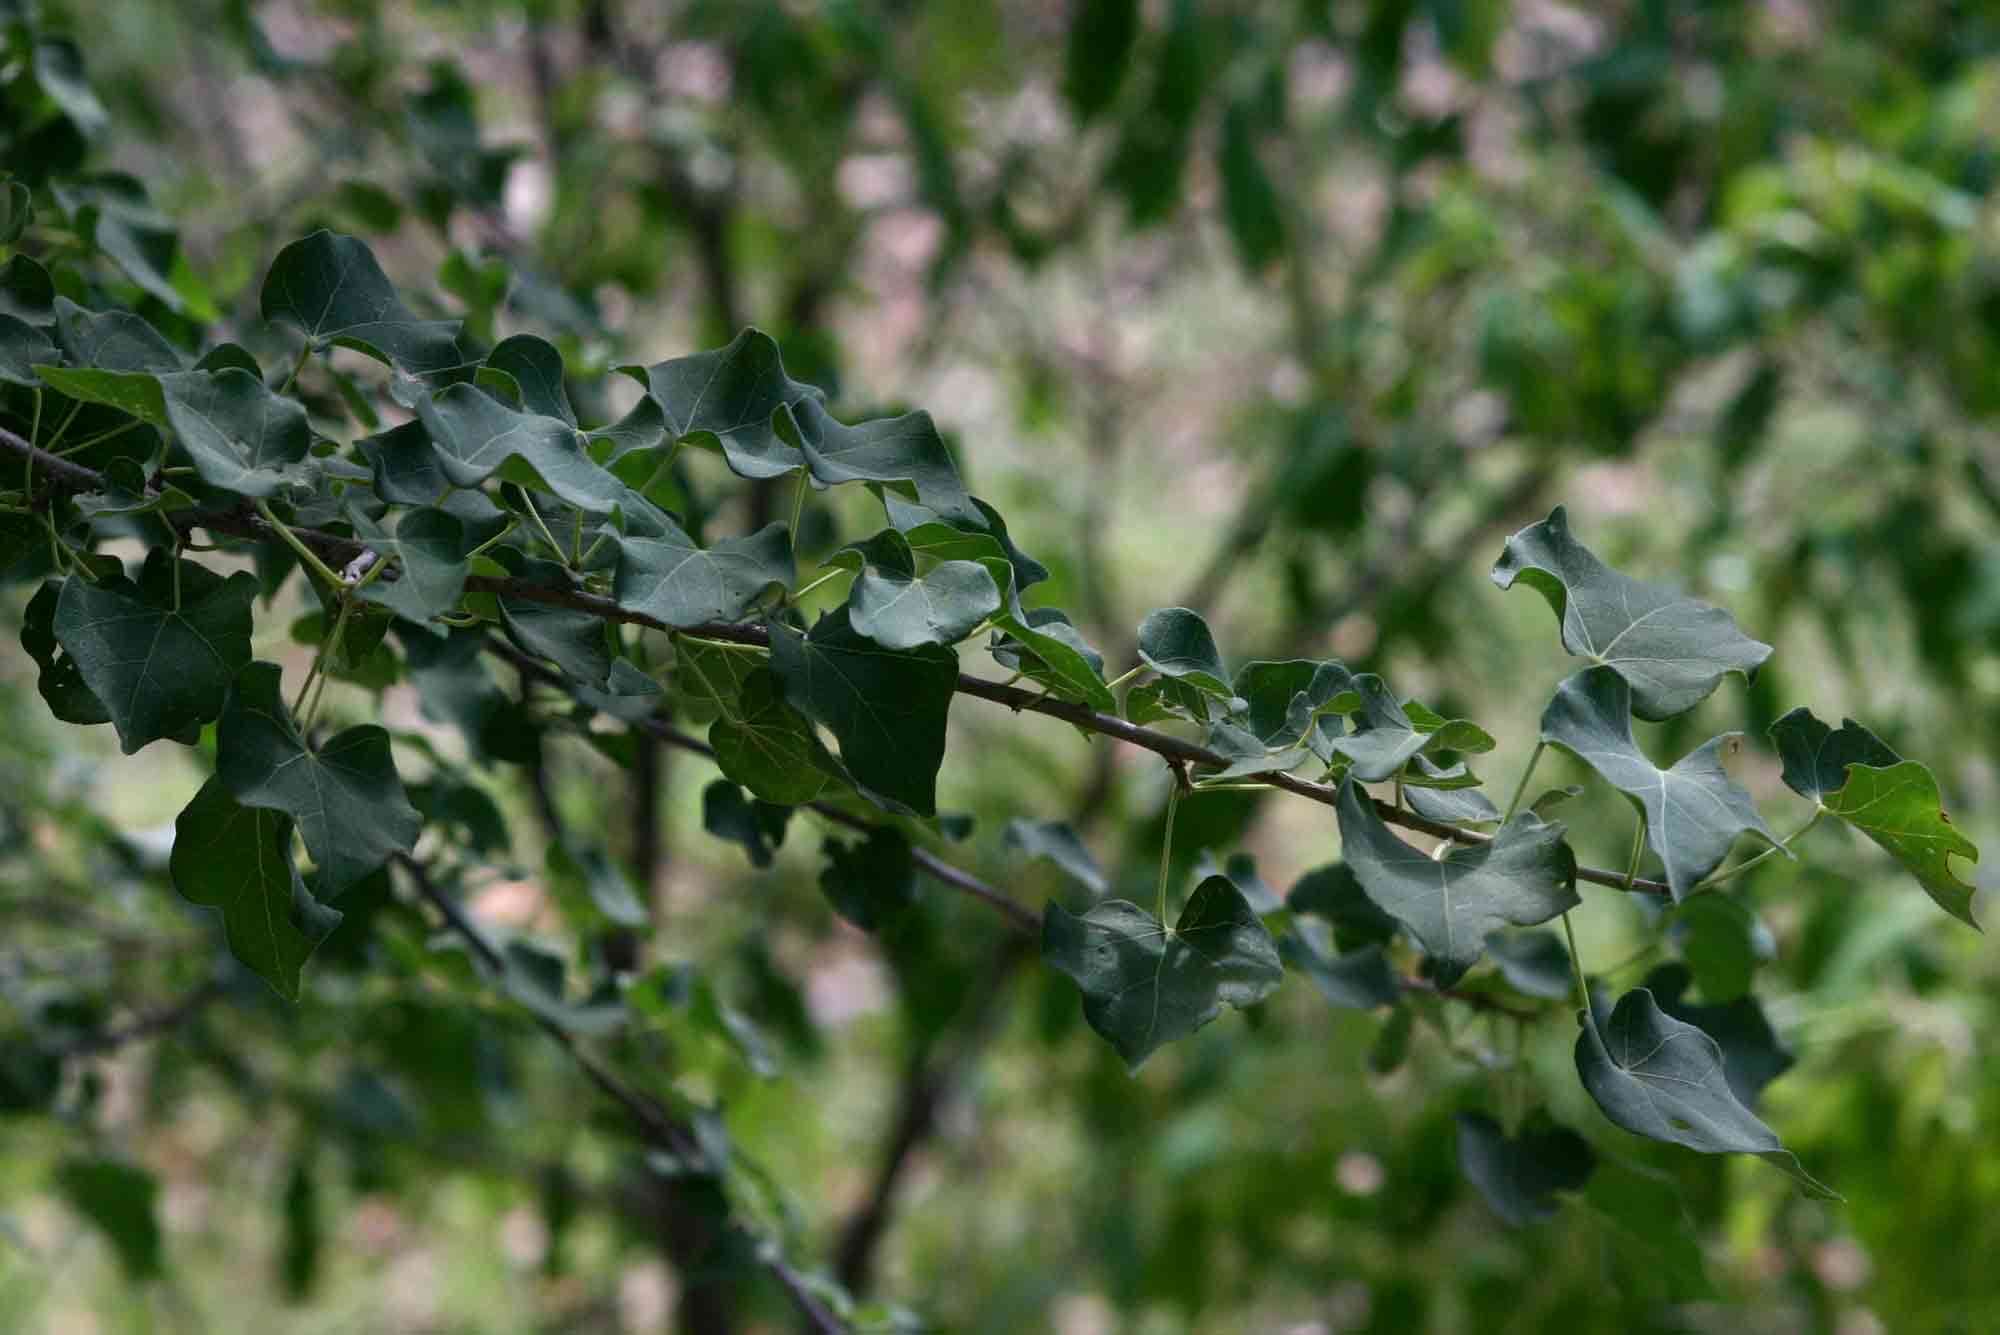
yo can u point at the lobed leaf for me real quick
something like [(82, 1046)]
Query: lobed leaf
[(1519, 1175), (159, 657), (669, 577), (1672, 650), (1663, 1079), (1896, 803), (1525, 875), (1145, 984), (345, 795), (238, 859), (1693, 811), (885, 707), (330, 288)]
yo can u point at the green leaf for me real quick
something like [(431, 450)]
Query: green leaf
[(758, 826), (60, 681), (1526, 875), (1359, 980), (429, 547), (899, 610), (1535, 964), (1175, 642), (122, 1200), (1384, 739), (537, 368), (330, 287), (125, 493), (1693, 812), (574, 641), (1723, 942), (159, 658), (1101, 33), (1752, 1053), (943, 538), (1334, 892), (1286, 698), (1464, 806), (17, 211), (1145, 984), (1519, 1175), (1391, 1047), (1249, 201), (239, 859), (406, 468), (709, 675), (575, 867), (1663, 1079), (1895, 802), (1816, 757), (731, 396), (886, 708), (872, 881), (27, 292), (1645, 1226), (629, 694), (1241, 869), (1673, 650), (1044, 645), (22, 348), (904, 450), (1149, 161), (476, 435), (241, 436), (669, 577), (345, 795), (60, 73), (1055, 842), (767, 746), (113, 341)]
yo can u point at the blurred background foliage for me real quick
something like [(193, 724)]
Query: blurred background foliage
[(1286, 312)]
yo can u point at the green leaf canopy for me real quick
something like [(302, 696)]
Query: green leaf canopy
[(1674, 650), (1525, 875), (345, 795), (1663, 1079), (159, 657), (1693, 811), (1145, 984)]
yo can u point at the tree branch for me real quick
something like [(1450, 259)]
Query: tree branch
[(1082, 716), (1162, 744)]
